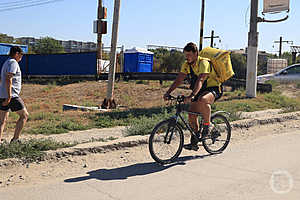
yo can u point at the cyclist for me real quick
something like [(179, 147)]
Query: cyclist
[(205, 90)]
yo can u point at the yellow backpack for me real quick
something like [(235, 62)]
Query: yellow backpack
[(221, 62)]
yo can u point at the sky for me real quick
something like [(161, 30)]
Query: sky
[(152, 22)]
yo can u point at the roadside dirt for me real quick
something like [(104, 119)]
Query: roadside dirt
[(289, 90)]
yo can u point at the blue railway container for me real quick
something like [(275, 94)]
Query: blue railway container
[(5, 47)]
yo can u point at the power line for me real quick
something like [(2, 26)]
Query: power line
[(20, 3), (13, 2), (29, 5)]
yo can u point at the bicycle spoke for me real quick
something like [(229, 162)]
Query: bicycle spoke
[(219, 136), (166, 142)]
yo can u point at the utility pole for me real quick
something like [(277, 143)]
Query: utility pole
[(99, 35), (109, 102), (202, 25), (100, 27), (212, 38), (280, 45), (251, 83)]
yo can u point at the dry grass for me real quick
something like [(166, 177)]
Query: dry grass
[(45, 102)]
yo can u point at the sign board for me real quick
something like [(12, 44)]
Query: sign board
[(273, 6), (100, 26)]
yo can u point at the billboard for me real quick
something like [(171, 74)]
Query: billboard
[(273, 6)]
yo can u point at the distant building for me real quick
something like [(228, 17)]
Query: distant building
[(69, 46), (30, 41), (72, 46), (262, 55), (149, 47)]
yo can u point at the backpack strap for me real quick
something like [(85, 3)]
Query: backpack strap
[(194, 76)]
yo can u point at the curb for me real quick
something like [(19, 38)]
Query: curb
[(132, 141), (248, 123)]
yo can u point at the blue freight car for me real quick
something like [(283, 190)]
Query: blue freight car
[(5, 47)]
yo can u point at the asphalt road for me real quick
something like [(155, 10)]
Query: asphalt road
[(265, 168)]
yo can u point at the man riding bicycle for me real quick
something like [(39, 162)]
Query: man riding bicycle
[(205, 90)]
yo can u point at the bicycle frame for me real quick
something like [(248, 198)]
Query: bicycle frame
[(178, 116)]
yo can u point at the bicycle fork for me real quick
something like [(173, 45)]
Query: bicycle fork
[(171, 128)]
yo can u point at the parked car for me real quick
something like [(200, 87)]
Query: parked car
[(289, 74)]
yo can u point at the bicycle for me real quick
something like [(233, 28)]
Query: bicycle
[(168, 135)]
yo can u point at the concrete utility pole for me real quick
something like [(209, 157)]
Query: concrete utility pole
[(212, 38), (251, 82), (109, 102), (202, 26), (280, 45)]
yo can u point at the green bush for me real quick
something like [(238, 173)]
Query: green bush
[(144, 125), (30, 150)]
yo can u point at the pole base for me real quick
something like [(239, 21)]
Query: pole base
[(109, 104)]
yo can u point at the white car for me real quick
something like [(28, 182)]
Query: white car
[(288, 74)]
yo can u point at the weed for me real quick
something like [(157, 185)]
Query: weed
[(30, 150)]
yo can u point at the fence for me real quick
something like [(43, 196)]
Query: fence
[(56, 64)]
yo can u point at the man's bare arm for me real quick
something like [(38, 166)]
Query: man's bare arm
[(179, 80)]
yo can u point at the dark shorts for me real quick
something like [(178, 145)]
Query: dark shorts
[(15, 104), (216, 91)]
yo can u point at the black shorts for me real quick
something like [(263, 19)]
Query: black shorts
[(14, 105), (216, 91)]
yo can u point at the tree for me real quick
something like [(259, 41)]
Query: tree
[(48, 45), (288, 56), (5, 38), (239, 65), (167, 61), (172, 61)]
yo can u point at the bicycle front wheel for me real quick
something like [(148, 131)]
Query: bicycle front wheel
[(219, 135), (166, 142)]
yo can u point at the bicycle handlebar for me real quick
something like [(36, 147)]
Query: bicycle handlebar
[(179, 98)]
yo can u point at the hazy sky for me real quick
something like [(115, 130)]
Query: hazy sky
[(159, 22)]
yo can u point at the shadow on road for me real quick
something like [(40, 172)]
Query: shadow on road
[(139, 169)]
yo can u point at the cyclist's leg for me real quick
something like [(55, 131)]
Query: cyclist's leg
[(193, 119), (204, 107)]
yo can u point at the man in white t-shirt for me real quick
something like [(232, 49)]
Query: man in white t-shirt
[(10, 88)]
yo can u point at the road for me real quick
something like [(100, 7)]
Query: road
[(267, 167)]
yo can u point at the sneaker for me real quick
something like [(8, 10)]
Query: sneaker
[(191, 146), (15, 141), (194, 141), (205, 131)]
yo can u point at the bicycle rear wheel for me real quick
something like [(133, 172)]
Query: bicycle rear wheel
[(219, 135), (166, 142)]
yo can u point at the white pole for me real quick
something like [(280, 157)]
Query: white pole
[(113, 56), (251, 82)]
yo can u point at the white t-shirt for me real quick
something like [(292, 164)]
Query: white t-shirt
[(12, 66)]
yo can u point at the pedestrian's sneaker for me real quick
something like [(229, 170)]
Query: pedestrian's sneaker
[(2, 141), (13, 141)]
